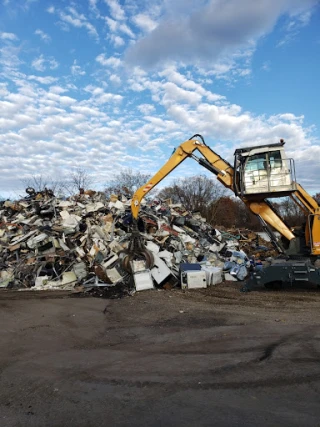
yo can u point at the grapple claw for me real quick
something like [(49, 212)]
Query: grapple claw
[(136, 251)]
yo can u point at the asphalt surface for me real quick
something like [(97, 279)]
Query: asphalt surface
[(213, 357)]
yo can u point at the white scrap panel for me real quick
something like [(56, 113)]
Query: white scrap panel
[(166, 256), (160, 271), (113, 274), (143, 280)]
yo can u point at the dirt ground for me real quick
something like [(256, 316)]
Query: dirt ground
[(212, 357)]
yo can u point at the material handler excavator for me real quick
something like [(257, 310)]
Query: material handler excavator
[(258, 174)]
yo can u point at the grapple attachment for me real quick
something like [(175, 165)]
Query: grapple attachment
[(136, 250)]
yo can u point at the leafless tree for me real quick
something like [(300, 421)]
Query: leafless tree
[(42, 182), (196, 193), (291, 212), (79, 178), (126, 182)]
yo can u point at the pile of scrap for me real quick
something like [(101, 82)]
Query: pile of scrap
[(52, 243), (253, 243)]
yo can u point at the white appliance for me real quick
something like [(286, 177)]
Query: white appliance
[(193, 279), (143, 280)]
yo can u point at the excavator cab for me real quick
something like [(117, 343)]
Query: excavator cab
[(264, 171)]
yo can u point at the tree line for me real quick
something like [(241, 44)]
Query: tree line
[(198, 193)]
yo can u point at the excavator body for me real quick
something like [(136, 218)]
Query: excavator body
[(258, 175)]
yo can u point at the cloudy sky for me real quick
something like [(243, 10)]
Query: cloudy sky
[(110, 84)]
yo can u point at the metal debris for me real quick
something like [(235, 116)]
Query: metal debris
[(52, 243)]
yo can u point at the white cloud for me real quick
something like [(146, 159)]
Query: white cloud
[(109, 97), (114, 78), (45, 37), (144, 22), (112, 61), (126, 30), (51, 9), (3, 89), (9, 58), (76, 69), (116, 10), (296, 23), (112, 24), (87, 111), (290, 117), (93, 7), (57, 89), (53, 64), (146, 108), (72, 17), (174, 76), (119, 27), (174, 93), (203, 32), (8, 36), (43, 80), (94, 90), (41, 63), (226, 122), (38, 63), (50, 125), (117, 40), (99, 96)]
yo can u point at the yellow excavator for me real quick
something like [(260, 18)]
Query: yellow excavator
[(259, 173)]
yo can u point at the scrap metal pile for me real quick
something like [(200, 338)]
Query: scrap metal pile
[(79, 243)]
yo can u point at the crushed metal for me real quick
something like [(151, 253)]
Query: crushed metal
[(78, 243)]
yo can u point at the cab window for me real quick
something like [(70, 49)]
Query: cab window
[(275, 159), (257, 162)]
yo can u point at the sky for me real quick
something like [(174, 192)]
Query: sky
[(106, 85)]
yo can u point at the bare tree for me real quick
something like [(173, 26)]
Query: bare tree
[(42, 182), (196, 193), (317, 198), (126, 182), (78, 179), (291, 212)]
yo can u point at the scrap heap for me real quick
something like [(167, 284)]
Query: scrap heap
[(53, 243)]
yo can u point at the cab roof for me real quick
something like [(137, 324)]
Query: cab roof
[(247, 149)]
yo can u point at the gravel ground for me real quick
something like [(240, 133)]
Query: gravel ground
[(213, 357)]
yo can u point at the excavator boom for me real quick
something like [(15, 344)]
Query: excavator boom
[(211, 161), (225, 174)]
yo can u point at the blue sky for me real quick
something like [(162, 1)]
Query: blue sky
[(110, 84)]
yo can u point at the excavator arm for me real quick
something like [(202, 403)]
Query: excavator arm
[(211, 161), (225, 174)]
